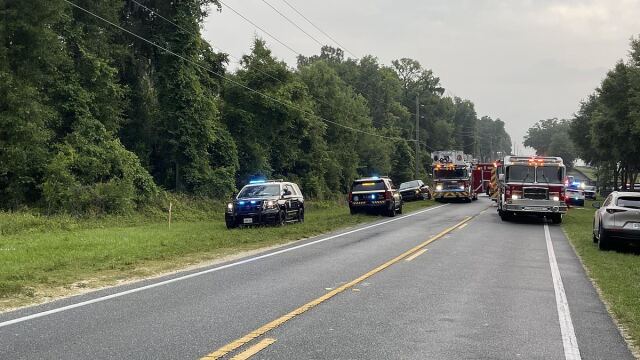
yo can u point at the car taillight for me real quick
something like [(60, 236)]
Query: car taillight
[(387, 195), (613, 211)]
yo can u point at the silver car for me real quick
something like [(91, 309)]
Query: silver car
[(618, 218)]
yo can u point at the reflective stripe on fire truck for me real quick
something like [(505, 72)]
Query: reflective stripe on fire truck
[(494, 183)]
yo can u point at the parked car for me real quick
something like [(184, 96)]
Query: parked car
[(414, 190), (590, 192), (618, 218), (574, 197), (375, 194), (273, 202)]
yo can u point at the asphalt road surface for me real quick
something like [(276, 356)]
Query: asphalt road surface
[(449, 282)]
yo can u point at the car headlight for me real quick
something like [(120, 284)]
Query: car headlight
[(461, 187), (230, 207), (270, 204), (356, 198), (556, 198), (515, 197), (438, 187)]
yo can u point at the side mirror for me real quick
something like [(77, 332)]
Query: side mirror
[(500, 177), (596, 205)]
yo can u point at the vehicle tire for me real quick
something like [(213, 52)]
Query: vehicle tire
[(231, 224), (391, 212), (301, 215), (581, 203), (556, 218), (281, 219), (353, 211), (593, 233), (604, 243)]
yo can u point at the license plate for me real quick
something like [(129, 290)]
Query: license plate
[(529, 208), (247, 220)]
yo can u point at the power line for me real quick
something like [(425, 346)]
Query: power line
[(154, 12), (260, 28), (318, 28), (282, 102), (293, 23)]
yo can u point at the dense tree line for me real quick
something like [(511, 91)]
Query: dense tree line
[(606, 129), (93, 119), (550, 137)]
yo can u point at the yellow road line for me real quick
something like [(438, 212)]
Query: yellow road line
[(415, 255), (306, 307), (254, 349), (462, 226)]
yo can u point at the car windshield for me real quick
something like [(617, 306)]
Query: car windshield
[(629, 202), (450, 174), (250, 191), (409, 184), (520, 173), (549, 174), (368, 185)]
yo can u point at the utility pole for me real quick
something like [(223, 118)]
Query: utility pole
[(417, 138)]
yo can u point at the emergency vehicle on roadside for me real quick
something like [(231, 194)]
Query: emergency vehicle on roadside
[(482, 177), (531, 186), (452, 176)]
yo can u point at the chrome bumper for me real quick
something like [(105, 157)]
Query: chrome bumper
[(536, 206)]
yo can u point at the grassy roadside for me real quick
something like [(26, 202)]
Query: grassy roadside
[(48, 257), (617, 274)]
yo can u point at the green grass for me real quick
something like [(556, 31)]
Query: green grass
[(40, 255), (617, 274)]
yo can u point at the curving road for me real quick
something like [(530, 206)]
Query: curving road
[(449, 282)]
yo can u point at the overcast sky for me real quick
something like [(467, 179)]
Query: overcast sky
[(520, 61)]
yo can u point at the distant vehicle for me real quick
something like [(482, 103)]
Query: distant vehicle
[(575, 197), (414, 190), (273, 202), (452, 176), (375, 194), (618, 218), (531, 186), (482, 177), (590, 192)]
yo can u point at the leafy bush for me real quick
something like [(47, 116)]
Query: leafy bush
[(93, 173)]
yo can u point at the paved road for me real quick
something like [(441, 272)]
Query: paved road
[(482, 290)]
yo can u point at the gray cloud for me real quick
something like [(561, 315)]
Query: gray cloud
[(520, 61)]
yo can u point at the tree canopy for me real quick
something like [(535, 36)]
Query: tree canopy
[(606, 128), (93, 119)]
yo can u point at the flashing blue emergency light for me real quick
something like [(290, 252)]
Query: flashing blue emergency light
[(375, 177), (253, 201), (373, 197), (261, 181), (241, 202)]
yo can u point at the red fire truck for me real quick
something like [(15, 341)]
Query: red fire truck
[(452, 176), (531, 186), (482, 177)]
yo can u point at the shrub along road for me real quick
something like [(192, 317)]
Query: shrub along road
[(48, 257), (448, 282)]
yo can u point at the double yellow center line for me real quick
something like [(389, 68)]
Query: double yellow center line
[(236, 344)]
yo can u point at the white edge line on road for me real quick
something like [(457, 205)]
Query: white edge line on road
[(569, 341), (192, 275)]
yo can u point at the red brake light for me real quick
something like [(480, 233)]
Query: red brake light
[(387, 195)]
